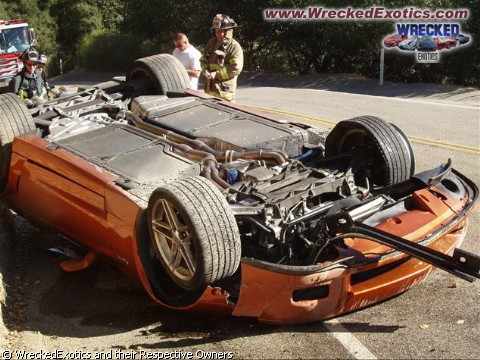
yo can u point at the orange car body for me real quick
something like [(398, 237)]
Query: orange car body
[(79, 199), (211, 206)]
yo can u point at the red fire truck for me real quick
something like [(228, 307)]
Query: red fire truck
[(15, 37)]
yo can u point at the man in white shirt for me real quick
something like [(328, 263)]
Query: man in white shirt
[(189, 56)]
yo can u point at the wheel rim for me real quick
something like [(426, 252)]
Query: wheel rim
[(140, 73), (173, 240), (356, 139), (352, 139)]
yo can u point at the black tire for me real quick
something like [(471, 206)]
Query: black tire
[(162, 72), (14, 120), (391, 158), (194, 232)]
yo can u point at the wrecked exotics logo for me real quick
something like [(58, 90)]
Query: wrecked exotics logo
[(418, 30), (426, 40)]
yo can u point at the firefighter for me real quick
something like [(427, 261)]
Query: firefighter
[(222, 60), (42, 61), (27, 84)]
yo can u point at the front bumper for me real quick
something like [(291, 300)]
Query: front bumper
[(369, 272), (279, 297)]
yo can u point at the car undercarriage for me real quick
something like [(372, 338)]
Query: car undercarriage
[(226, 195)]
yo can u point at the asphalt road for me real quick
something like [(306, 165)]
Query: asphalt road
[(441, 317), (98, 309)]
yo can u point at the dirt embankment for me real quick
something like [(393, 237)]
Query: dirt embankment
[(6, 234)]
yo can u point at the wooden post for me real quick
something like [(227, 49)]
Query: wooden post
[(382, 65)]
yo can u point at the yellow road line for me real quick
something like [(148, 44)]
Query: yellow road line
[(445, 145), (414, 139), (327, 123)]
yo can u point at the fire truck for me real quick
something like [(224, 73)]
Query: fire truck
[(15, 37)]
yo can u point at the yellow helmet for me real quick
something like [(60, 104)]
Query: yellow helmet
[(221, 21)]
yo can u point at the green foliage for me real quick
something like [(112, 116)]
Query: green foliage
[(76, 20), (108, 34), (106, 51), (3, 11)]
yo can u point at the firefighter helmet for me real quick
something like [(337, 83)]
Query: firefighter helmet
[(30, 55), (42, 59), (224, 22)]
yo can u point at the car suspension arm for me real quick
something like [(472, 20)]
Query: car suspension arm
[(462, 263)]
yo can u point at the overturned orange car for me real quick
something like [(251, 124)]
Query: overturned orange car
[(212, 206)]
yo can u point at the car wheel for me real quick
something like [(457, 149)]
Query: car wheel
[(194, 232), (14, 120), (389, 154), (163, 73)]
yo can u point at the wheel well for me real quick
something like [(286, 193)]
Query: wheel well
[(163, 287)]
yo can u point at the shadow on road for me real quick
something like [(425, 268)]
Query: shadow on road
[(347, 83), (356, 84)]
